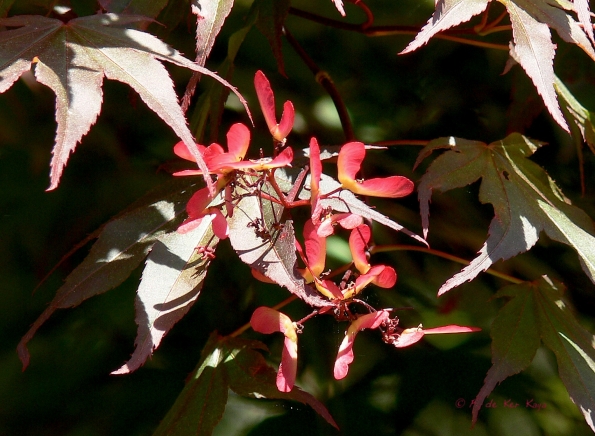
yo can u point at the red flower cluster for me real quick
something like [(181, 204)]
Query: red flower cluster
[(222, 163), (204, 206)]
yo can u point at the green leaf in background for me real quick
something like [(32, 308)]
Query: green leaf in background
[(526, 200), (172, 280), (201, 404), (535, 313), (5, 7), (576, 114), (227, 363), (250, 376), (121, 246)]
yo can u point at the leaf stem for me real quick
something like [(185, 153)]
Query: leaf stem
[(324, 79), (397, 247)]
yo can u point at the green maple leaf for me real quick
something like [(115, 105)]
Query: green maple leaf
[(526, 200), (73, 58), (227, 363), (536, 313)]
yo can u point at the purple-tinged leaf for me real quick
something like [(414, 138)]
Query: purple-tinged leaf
[(448, 13), (534, 50), (72, 60), (526, 200), (171, 282), (549, 12), (121, 246), (537, 312), (267, 244), (584, 16), (210, 16)]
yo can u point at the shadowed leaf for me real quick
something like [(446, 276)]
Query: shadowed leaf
[(526, 200), (121, 246), (537, 312)]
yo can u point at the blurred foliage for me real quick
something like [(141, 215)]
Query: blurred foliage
[(443, 89)]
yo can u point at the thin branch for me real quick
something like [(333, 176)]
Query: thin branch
[(390, 143), (449, 35), (386, 248), (325, 80)]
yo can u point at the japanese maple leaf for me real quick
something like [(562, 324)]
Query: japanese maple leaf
[(73, 58), (532, 45), (526, 200)]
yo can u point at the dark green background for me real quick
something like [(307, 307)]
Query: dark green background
[(442, 89)]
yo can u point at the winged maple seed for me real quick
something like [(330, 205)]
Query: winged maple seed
[(266, 320)]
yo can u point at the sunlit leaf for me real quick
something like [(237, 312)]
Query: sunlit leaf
[(577, 114), (346, 201), (526, 200), (534, 50), (72, 59), (448, 13), (266, 242), (172, 280)]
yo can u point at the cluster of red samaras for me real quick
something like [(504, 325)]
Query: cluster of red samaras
[(321, 224)]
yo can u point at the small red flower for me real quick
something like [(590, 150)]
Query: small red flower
[(349, 164), (217, 160), (266, 98), (266, 320), (346, 220), (345, 355)]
